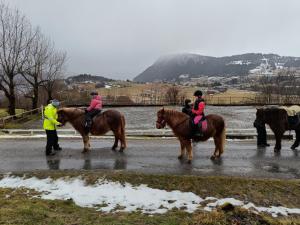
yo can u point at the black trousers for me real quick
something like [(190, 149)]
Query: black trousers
[(52, 140), (261, 135), (89, 116)]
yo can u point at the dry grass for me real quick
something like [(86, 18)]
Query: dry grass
[(18, 207), (4, 113), (231, 97)]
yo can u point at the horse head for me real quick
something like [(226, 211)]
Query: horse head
[(161, 120), (260, 116), (62, 116)]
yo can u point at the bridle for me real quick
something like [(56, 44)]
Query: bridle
[(162, 122)]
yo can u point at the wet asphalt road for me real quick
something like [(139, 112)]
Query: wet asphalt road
[(241, 158)]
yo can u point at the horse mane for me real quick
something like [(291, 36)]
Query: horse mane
[(175, 114), (72, 113)]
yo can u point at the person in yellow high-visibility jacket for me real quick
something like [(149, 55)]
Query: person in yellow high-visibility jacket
[(49, 125)]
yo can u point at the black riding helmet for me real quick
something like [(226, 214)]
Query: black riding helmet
[(198, 93), (94, 93)]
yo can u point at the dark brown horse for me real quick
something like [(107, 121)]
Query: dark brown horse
[(108, 120), (182, 129), (277, 119)]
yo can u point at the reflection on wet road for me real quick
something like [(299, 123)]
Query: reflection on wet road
[(241, 158)]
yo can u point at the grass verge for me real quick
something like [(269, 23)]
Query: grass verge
[(17, 207)]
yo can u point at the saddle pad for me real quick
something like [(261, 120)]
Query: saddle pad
[(292, 110), (204, 125)]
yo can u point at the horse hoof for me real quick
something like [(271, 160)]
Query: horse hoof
[(293, 147), (114, 148), (180, 157), (189, 161), (121, 150), (85, 150), (213, 157)]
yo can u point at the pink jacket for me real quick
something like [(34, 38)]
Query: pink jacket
[(200, 110), (96, 103)]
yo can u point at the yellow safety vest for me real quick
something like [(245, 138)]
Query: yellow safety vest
[(50, 118)]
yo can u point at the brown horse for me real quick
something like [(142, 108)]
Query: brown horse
[(106, 121), (278, 121), (182, 129)]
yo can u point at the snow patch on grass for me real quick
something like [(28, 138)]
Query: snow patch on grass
[(110, 196)]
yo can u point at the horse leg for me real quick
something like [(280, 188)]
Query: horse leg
[(86, 143), (297, 141), (122, 137), (123, 141), (189, 148), (116, 141), (217, 153), (278, 137), (182, 149)]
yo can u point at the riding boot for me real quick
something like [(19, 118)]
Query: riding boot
[(88, 125)]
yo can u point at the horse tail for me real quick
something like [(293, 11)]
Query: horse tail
[(223, 140)]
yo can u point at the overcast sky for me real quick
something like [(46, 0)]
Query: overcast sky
[(121, 38)]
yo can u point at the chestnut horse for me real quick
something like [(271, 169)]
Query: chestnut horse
[(106, 121), (180, 124)]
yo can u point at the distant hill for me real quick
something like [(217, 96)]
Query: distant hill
[(170, 67), (86, 78)]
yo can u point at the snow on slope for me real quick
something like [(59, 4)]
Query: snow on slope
[(129, 198)]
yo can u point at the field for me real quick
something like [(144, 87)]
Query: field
[(138, 91), (18, 207), (231, 96)]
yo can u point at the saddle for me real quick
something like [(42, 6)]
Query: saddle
[(294, 121), (199, 128), (89, 119), (293, 113)]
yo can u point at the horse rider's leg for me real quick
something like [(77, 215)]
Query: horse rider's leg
[(278, 137), (217, 153), (297, 141), (189, 148), (182, 149), (86, 142)]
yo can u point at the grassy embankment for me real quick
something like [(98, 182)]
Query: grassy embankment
[(19, 123), (18, 208), (4, 113)]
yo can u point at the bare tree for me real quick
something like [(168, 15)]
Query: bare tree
[(54, 71), (172, 95), (38, 56), (15, 37)]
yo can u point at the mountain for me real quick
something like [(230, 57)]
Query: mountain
[(170, 67), (86, 78)]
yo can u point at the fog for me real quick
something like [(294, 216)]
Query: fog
[(121, 38)]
